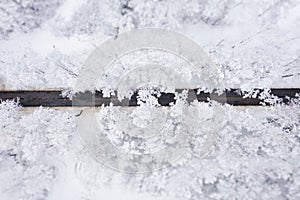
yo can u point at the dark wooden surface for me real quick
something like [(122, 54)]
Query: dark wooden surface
[(55, 99)]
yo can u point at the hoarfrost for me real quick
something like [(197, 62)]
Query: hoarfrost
[(255, 43), (256, 154)]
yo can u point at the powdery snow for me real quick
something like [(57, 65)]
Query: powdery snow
[(254, 43), (255, 154)]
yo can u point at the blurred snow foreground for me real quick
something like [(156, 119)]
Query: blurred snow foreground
[(212, 151)]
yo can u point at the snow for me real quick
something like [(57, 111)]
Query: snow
[(228, 152), (254, 43), (256, 153)]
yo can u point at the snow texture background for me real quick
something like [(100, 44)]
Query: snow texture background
[(254, 43), (43, 44)]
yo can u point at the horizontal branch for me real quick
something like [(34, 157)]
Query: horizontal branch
[(55, 99)]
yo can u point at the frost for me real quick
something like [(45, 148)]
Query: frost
[(27, 141), (269, 98), (257, 153), (254, 43), (24, 15)]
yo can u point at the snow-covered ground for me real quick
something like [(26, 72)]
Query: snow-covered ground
[(256, 152)]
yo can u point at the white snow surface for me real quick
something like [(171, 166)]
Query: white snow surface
[(256, 156), (44, 44), (254, 43)]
